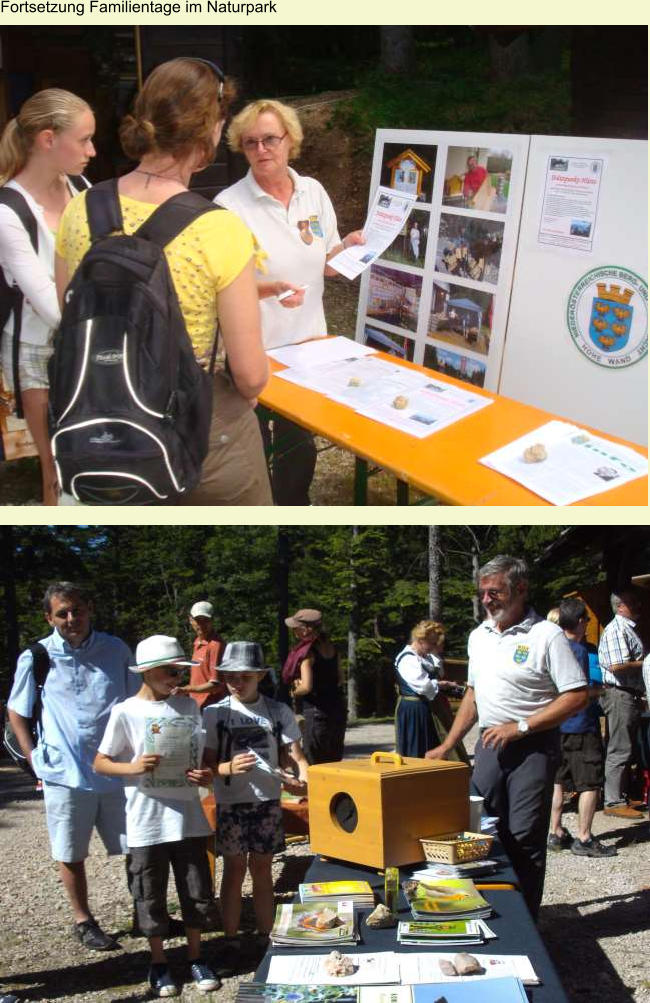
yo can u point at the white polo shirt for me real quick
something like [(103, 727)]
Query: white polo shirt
[(518, 671), (290, 258)]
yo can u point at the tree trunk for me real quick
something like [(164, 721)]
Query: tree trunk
[(7, 548), (283, 555), (397, 49), (353, 633), (435, 585)]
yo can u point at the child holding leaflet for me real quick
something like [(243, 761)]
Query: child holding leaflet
[(253, 746), (152, 740)]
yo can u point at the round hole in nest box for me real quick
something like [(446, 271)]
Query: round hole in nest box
[(344, 812)]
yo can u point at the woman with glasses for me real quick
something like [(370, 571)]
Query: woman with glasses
[(294, 221), (422, 715), (173, 132)]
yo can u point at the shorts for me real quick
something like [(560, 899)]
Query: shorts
[(250, 828), (149, 876), (72, 815), (581, 768), (32, 365)]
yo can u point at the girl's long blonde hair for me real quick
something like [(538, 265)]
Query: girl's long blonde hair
[(53, 109)]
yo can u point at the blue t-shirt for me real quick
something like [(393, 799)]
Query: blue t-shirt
[(589, 718), (81, 687)]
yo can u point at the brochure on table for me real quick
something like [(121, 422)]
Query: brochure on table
[(406, 399), (564, 464), (439, 294), (385, 967), (505, 989)]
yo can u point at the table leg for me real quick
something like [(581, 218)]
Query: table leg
[(360, 481)]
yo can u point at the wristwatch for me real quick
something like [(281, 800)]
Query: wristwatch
[(522, 727)]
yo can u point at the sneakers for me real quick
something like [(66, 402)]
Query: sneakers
[(203, 977), (93, 937), (622, 811), (562, 842), (592, 847), (161, 982)]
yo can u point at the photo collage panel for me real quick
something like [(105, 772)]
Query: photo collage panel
[(438, 294)]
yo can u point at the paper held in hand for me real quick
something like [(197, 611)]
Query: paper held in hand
[(564, 464), (176, 741), (386, 217)]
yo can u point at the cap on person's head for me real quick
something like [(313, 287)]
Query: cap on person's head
[(305, 618), (159, 650), (202, 609), (243, 656)]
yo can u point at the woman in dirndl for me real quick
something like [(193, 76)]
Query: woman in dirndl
[(423, 715)]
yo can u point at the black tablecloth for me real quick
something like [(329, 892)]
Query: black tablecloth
[(511, 921)]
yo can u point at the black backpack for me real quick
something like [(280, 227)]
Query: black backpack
[(40, 668), (130, 407), (11, 297)]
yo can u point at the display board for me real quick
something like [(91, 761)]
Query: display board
[(577, 335), (522, 269), (439, 294)]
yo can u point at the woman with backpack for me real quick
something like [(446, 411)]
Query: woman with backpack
[(46, 145), (173, 132)]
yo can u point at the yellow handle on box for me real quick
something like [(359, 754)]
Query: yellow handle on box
[(386, 757)]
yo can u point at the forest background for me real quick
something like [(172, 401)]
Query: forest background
[(372, 583)]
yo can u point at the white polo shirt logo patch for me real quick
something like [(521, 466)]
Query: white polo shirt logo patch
[(315, 226), (521, 654)]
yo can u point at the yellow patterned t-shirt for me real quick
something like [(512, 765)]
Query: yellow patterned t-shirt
[(203, 259)]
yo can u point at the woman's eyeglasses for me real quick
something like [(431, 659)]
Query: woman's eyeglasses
[(267, 142)]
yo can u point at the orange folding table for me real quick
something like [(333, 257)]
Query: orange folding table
[(444, 465)]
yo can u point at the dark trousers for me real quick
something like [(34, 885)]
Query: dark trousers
[(292, 453), (149, 868), (324, 735), (517, 785)]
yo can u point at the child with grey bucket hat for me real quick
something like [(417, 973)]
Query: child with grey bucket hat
[(253, 746), (165, 824)]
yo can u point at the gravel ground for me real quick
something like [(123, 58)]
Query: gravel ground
[(598, 909)]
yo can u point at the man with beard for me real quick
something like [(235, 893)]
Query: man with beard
[(523, 681)]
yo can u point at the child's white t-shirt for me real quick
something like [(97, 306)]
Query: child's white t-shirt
[(153, 814), (232, 727)]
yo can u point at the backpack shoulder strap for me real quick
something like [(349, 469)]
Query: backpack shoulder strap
[(103, 209), (172, 216), (78, 182), (41, 662), (18, 203), (40, 668)]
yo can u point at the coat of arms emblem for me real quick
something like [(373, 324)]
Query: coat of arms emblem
[(521, 653), (611, 317)]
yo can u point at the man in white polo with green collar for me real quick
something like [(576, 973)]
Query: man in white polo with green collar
[(523, 681)]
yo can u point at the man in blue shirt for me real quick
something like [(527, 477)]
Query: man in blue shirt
[(89, 672), (582, 751)]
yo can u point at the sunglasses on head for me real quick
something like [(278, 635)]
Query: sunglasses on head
[(218, 72)]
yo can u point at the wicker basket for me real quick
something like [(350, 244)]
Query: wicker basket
[(456, 847)]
